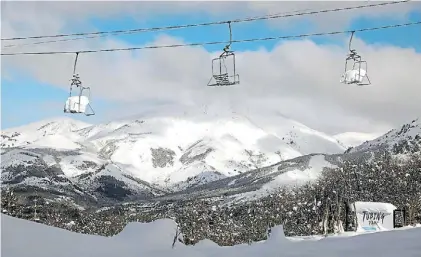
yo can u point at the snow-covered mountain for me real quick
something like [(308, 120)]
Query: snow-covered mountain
[(78, 175), (297, 171), (160, 157), (166, 152)]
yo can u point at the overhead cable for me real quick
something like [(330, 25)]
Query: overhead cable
[(214, 43), (118, 33), (266, 17)]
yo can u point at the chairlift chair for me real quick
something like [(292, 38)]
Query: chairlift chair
[(355, 72), (78, 103), (221, 74), (355, 69)]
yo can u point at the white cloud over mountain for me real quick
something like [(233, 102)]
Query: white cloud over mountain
[(298, 79)]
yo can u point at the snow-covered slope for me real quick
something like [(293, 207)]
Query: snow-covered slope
[(53, 133), (77, 174), (158, 150), (401, 140), (111, 181), (175, 153), (21, 238), (287, 177), (261, 182), (352, 139)]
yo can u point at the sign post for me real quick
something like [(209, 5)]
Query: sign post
[(399, 219)]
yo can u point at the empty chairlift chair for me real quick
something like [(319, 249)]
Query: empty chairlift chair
[(221, 74)]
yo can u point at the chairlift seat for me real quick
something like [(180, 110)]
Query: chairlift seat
[(353, 76), (76, 104), (222, 79)]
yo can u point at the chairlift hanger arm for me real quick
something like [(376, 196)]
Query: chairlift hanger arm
[(350, 41), (229, 26), (227, 47), (75, 81), (352, 52), (74, 65)]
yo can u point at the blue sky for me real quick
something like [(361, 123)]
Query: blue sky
[(25, 100)]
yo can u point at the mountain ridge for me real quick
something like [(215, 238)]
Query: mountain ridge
[(169, 139), (146, 159)]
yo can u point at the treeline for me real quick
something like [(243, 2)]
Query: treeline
[(319, 207)]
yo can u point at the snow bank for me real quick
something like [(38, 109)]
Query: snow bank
[(21, 238), (154, 235), (277, 235)]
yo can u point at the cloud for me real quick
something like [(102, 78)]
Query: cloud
[(50, 16), (341, 18), (298, 79)]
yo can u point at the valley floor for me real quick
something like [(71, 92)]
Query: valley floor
[(21, 238)]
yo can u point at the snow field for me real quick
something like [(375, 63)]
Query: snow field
[(21, 238)]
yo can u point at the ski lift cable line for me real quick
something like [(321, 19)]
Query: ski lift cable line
[(213, 43), (266, 17), (116, 33)]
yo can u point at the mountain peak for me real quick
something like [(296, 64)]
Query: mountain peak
[(59, 123), (50, 132)]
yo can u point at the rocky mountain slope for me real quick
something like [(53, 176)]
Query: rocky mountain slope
[(399, 141), (166, 158)]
